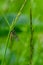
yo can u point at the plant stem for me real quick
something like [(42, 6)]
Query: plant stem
[(31, 38), (19, 13), (5, 49)]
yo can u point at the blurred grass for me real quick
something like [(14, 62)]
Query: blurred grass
[(19, 52)]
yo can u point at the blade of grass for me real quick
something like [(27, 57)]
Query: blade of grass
[(19, 13), (5, 19), (6, 48)]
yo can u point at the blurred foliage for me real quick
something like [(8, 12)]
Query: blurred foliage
[(18, 48)]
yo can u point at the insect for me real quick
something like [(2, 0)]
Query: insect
[(14, 35)]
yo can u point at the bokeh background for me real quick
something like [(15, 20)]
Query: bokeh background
[(18, 48)]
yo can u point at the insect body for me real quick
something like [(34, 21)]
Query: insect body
[(13, 36)]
